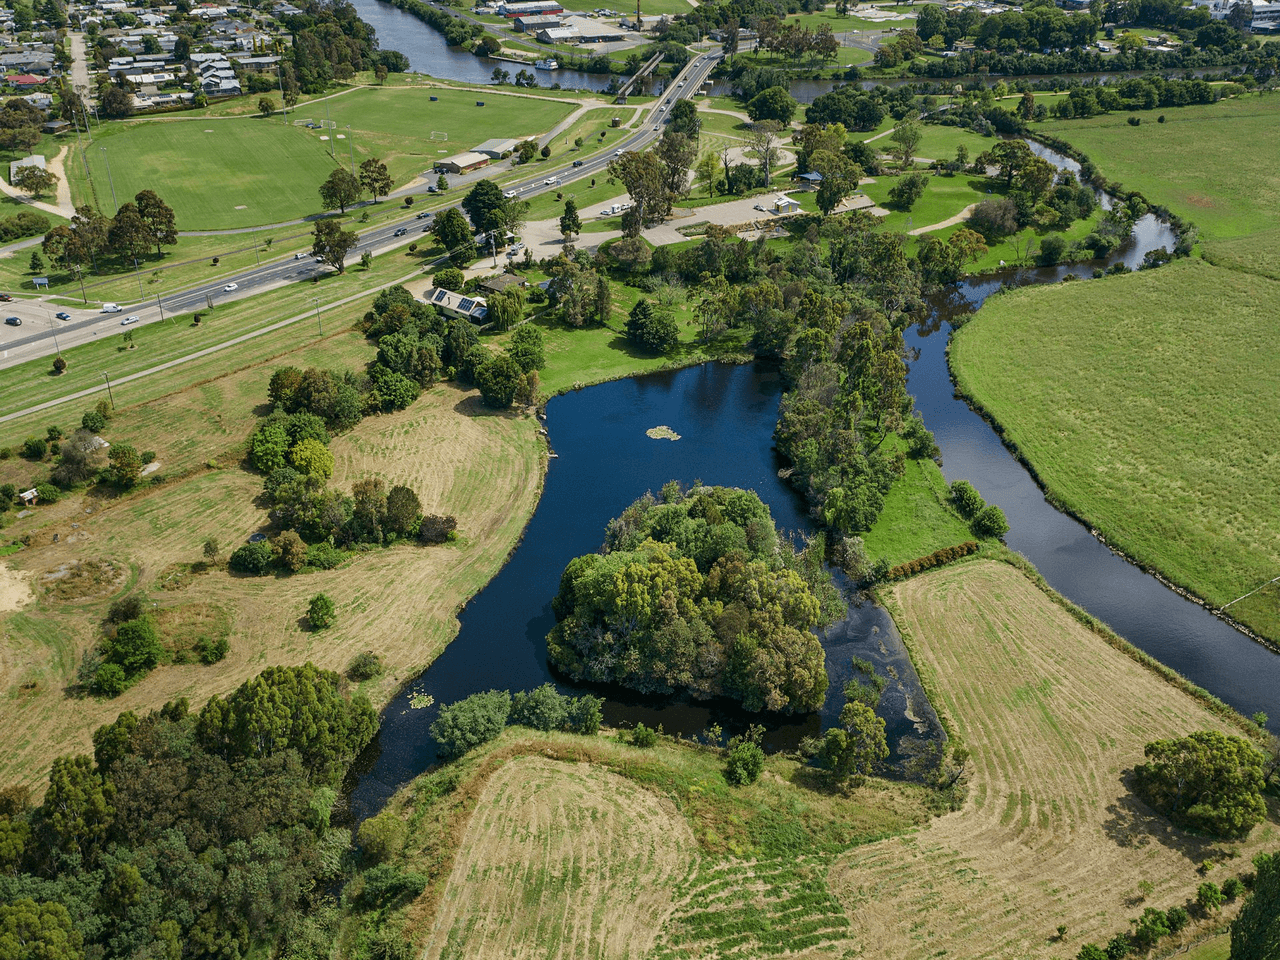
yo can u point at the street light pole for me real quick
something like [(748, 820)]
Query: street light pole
[(110, 179), (161, 306), (351, 150), (80, 276), (113, 399), (319, 323), (138, 273)]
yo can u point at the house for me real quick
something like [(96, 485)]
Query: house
[(784, 204), (35, 160), (533, 24), (256, 64), (503, 281), (462, 163), (810, 181), (55, 126), (459, 306), (29, 62), (41, 101), (496, 147), (25, 81)]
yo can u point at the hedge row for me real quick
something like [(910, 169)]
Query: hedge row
[(935, 559)]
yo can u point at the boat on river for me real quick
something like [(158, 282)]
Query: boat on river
[(548, 64)]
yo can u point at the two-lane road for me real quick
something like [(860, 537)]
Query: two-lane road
[(36, 337)]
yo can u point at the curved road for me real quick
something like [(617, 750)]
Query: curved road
[(42, 336)]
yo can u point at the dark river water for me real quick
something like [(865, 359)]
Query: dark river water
[(725, 416)]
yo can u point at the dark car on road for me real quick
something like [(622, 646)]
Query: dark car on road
[(63, 315), (13, 321), (577, 163), (5, 298)]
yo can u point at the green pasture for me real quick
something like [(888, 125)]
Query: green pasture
[(917, 518), (1144, 407)]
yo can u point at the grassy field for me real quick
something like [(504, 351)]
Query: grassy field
[(220, 173), (1055, 718), (917, 518), (562, 846), (1192, 163), (1150, 414)]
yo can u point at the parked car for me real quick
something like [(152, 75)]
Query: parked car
[(111, 308), (63, 315), (13, 321), (231, 286), (128, 320)]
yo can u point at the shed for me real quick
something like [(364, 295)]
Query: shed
[(503, 281), (55, 126), (557, 35), (35, 160), (784, 204), (29, 497), (496, 147), (462, 162), (811, 180)]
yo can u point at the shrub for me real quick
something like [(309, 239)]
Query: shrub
[(126, 608), (643, 736), (252, 558), (321, 611), (544, 708), (386, 884), (135, 646), (48, 493), (745, 762), (292, 551), (1177, 918), (437, 529), (1208, 897), (364, 666), (468, 723), (1232, 887), (382, 837), (34, 448), (1091, 951), (966, 498), (212, 649), (1149, 928), (110, 680), (324, 555), (59, 365), (1119, 947), (990, 522), (908, 190), (585, 715)]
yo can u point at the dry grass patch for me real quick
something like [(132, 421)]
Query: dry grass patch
[(562, 860), (401, 601), (1055, 719)]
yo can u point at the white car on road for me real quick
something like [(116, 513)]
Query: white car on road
[(231, 286), (128, 320)]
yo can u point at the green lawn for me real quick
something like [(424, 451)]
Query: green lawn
[(917, 518), (225, 173), (1146, 408), (942, 199)]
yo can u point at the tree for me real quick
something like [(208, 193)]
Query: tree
[(840, 177), (117, 104), (374, 178), (455, 234), (650, 327), (135, 647), (707, 170), (644, 177), (128, 234), (59, 365), (1255, 933), (450, 278), (266, 107), (906, 135), (340, 189), (526, 348), (380, 73), (683, 118), (506, 308), (467, 724), (35, 180), (320, 611), (38, 931), (331, 243), (1207, 781), (126, 464), (570, 222), (773, 103), (745, 760), (312, 458), (498, 379), (292, 551), (482, 205), (763, 137), (908, 190), (211, 550), (857, 747), (254, 559), (677, 153), (442, 183), (158, 218), (990, 522), (404, 511), (77, 809)]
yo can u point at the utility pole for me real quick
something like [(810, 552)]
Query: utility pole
[(333, 152), (138, 273), (351, 150), (319, 323), (161, 306), (80, 276), (280, 76), (113, 399), (110, 179)]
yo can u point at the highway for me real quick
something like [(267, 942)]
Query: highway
[(40, 335)]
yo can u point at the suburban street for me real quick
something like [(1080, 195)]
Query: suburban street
[(40, 335)]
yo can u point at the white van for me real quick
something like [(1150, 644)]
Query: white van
[(111, 308)]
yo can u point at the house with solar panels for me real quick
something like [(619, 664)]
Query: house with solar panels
[(459, 305)]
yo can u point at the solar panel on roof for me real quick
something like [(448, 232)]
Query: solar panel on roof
[(441, 294), (466, 304)]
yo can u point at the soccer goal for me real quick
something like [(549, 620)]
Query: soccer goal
[(327, 124), (304, 123), (439, 135)]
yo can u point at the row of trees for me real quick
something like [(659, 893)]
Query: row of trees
[(138, 226), (475, 720), (695, 594)]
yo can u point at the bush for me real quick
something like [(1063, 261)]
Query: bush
[(967, 499), (252, 558), (93, 421), (324, 556), (48, 493), (1091, 951), (382, 837), (1119, 947), (1149, 928), (745, 763), (364, 666), (468, 723), (1177, 918), (1052, 249), (135, 646), (34, 448), (126, 608), (643, 736), (499, 379), (542, 709), (1208, 897), (385, 884), (1232, 887), (212, 649), (292, 551), (437, 529), (908, 190), (110, 680), (990, 522), (321, 611)]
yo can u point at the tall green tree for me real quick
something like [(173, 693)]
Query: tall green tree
[(1255, 933), (375, 178), (339, 190), (128, 234), (1207, 781), (332, 244), (483, 204), (455, 234), (857, 747), (77, 811), (38, 931), (570, 222), (159, 219)]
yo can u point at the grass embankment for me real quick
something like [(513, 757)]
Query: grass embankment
[(565, 846), (1055, 718), (221, 173), (1217, 165), (1150, 415)]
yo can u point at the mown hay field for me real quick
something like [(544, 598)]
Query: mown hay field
[(1056, 719), (400, 602), (1146, 405)]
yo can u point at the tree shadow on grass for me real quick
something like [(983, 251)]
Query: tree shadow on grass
[(1132, 824), (473, 405)]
